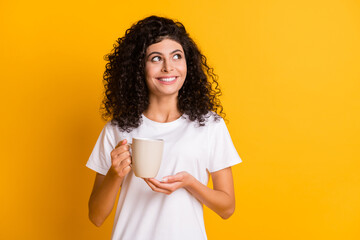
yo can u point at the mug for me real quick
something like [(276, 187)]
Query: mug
[(146, 156)]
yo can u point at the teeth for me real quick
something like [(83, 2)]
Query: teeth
[(167, 79)]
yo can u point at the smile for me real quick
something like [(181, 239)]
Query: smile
[(167, 80)]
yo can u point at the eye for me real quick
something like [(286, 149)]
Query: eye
[(156, 59), (177, 56)]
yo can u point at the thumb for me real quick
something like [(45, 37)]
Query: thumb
[(122, 142)]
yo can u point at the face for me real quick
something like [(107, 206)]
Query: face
[(165, 68)]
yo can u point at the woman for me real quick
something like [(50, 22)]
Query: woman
[(158, 85)]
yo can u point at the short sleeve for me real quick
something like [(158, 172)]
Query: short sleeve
[(222, 150), (100, 159)]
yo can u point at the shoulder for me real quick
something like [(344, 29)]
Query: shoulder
[(213, 119), (111, 128), (209, 120), (215, 125)]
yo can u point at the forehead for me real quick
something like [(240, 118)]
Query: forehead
[(164, 46)]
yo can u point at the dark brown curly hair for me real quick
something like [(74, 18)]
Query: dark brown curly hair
[(126, 93)]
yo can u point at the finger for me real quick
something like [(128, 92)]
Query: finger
[(122, 172), (121, 148), (154, 181), (168, 179), (122, 142), (123, 156), (158, 184), (126, 170), (118, 151), (155, 188), (150, 184), (172, 178), (168, 186), (120, 156), (124, 163), (121, 162)]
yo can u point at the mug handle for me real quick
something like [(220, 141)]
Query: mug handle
[(130, 150)]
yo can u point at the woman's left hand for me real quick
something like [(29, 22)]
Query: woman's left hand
[(170, 184)]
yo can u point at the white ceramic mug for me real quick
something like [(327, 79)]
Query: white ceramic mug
[(146, 156)]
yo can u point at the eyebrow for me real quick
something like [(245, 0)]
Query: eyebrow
[(177, 50)]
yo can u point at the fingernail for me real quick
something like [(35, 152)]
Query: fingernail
[(164, 180)]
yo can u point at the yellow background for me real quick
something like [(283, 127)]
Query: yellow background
[(290, 74)]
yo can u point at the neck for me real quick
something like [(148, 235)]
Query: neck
[(162, 109)]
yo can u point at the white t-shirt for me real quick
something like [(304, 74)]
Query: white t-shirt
[(143, 214)]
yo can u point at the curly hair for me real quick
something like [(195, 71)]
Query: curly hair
[(126, 93)]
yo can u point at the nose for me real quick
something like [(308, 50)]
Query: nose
[(167, 66)]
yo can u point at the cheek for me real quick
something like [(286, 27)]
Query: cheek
[(147, 76), (183, 69), (152, 70), (147, 71)]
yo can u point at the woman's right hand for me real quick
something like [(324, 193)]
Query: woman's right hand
[(106, 187), (121, 159)]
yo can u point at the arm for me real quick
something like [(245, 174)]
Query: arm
[(103, 196), (220, 199)]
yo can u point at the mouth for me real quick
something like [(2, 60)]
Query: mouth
[(167, 80)]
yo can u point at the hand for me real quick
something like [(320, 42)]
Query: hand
[(170, 184), (121, 159)]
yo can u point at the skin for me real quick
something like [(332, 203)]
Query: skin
[(165, 59)]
